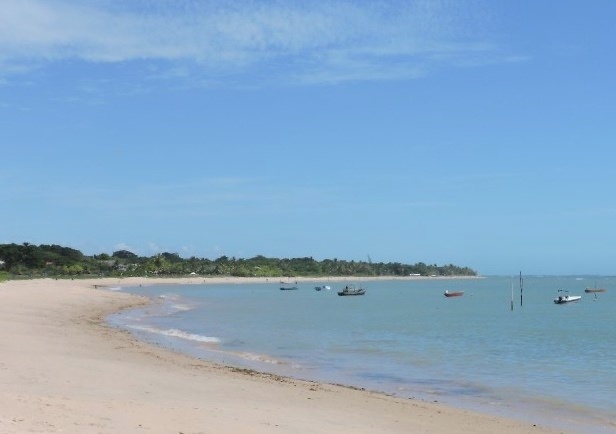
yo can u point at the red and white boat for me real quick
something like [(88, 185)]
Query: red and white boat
[(453, 293)]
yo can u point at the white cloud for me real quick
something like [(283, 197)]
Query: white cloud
[(328, 40)]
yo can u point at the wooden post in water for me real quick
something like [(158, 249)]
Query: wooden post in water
[(521, 288), (512, 295)]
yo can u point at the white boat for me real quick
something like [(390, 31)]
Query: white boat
[(318, 288), (566, 298)]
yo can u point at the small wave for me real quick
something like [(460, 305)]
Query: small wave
[(258, 358), (171, 301), (177, 334)]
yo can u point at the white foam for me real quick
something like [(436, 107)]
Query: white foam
[(258, 358), (177, 334)]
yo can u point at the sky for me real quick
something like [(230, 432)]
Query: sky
[(469, 132)]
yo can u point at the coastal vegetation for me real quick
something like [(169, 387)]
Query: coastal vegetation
[(28, 260)]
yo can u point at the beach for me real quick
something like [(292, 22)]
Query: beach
[(64, 369)]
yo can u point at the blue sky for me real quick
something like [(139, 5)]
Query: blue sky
[(478, 133)]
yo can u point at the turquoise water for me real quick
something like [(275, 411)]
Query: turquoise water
[(545, 363)]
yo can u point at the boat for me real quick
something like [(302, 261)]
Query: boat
[(594, 290), (453, 293), (562, 299), (319, 288), (288, 288), (351, 289)]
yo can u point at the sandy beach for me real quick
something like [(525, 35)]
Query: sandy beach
[(63, 369)]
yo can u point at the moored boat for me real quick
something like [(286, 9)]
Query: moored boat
[(566, 298), (351, 289), (447, 293), (594, 290), (288, 288)]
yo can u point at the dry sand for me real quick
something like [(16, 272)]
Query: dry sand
[(62, 369)]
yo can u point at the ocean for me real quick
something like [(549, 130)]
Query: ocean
[(540, 362)]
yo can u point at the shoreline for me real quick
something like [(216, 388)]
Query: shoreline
[(67, 370)]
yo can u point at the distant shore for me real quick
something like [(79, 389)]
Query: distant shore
[(63, 369), (136, 281)]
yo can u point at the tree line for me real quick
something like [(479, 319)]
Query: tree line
[(29, 260)]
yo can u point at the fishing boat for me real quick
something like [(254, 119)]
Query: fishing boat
[(594, 290), (351, 289), (447, 293), (566, 298)]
